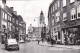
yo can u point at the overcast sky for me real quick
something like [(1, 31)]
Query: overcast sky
[(29, 9)]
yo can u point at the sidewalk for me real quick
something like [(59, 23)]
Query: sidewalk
[(61, 46), (1, 48)]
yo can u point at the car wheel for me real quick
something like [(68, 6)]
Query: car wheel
[(5, 48), (18, 48)]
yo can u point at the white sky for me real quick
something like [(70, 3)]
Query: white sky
[(30, 9)]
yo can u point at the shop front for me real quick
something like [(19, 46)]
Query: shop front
[(71, 35), (57, 34)]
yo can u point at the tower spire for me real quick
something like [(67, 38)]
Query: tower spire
[(41, 9)]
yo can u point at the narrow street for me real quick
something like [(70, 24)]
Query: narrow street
[(33, 47)]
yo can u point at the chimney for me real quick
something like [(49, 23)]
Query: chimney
[(11, 8), (15, 12), (4, 1)]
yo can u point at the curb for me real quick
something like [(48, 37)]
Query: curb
[(68, 47), (60, 47), (45, 45)]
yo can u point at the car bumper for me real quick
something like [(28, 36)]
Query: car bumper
[(13, 47)]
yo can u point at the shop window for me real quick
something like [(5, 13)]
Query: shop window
[(73, 14), (58, 35)]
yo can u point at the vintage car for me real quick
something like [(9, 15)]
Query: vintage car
[(11, 44), (21, 41)]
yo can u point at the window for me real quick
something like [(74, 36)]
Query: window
[(5, 16), (13, 27), (54, 29), (55, 6), (52, 32), (57, 28), (64, 16), (58, 3), (17, 28), (64, 3), (73, 14), (10, 18), (10, 26), (13, 20), (53, 22), (78, 12), (57, 16), (51, 10), (16, 21), (24, 25), (71, 1), (4, 23)]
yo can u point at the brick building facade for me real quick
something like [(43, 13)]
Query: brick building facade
[(63, 17), (10, 23)]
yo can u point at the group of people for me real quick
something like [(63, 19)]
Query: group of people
[(70, 38)]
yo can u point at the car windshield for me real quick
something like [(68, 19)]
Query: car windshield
[(12, 41)]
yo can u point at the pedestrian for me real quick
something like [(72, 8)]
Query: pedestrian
[(70, 36), (65, 36), (38, 41), (52, 41)]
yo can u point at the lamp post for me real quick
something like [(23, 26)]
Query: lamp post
[(38, 26)]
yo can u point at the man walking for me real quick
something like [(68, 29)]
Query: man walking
[(38, 41)]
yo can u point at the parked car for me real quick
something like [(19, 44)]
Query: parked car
[(21, 41), (28, 39), (11, 44)]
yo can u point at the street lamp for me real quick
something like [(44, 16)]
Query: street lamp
[(38, 26)]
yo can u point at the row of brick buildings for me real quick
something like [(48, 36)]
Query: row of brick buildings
[(11, 24), (64, 21)]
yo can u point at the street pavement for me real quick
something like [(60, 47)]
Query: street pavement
[(34, 47), (77, 47)]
